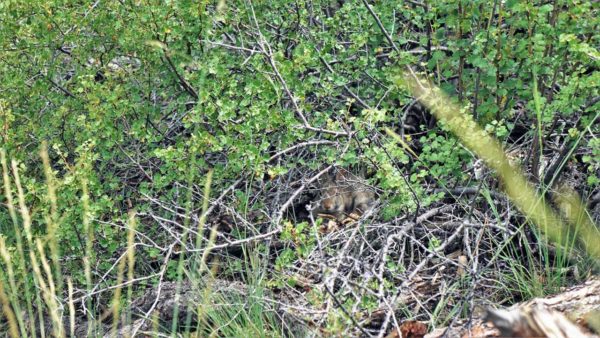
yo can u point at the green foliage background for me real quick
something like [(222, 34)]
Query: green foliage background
[(205, 96)]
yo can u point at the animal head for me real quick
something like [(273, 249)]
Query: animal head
[(331, 197)]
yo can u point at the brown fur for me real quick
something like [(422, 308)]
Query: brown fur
[(343, 194)]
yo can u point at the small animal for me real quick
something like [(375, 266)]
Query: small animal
[(343, 194)]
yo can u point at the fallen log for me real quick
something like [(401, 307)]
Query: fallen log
[(574, 312)]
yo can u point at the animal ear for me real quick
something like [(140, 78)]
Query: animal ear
[(324, 179)]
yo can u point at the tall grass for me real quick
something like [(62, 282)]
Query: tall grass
[(31, 262)]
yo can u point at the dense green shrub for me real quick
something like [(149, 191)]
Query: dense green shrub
[(139, 99)]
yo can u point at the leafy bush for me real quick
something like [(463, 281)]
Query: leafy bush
[(139, 101)]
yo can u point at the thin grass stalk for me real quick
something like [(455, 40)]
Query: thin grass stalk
[(197, 271), (117, 295), (39, 311), (52, 218), (538, 111), (89, 232), (579, 219), (25, 215), (26, 219), (213, 232), (201, 223), (155, 323), (49, 292), (186, 223), (130, 260), (13, 290), (20, 252), (205, 202), (71, 308), (575, 144), (13, 325), (39, 279)]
